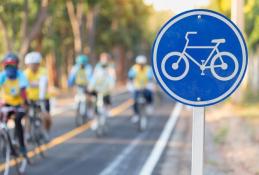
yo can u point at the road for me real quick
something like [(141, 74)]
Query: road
[(123, 150)]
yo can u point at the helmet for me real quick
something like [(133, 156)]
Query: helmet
[(33, 58), (81, 59), (10, 59), (141, 59)]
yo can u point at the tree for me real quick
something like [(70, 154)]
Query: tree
[(252, 24), (251, 11), (122, 28), (75, 13), (16, 15)]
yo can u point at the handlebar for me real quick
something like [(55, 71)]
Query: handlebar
[(189, 33), (4, 110)]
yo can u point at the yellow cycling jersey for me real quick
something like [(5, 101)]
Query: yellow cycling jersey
[(11, 92), (141, 79), (81, 78), (34, 80)]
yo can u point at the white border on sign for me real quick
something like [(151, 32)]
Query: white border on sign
[(243, 68)]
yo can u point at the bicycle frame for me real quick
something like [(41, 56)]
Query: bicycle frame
[(213, 61), (204, 63)]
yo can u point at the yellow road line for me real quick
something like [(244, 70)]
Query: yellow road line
[(63, 138)]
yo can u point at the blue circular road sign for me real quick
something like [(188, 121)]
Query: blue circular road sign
[(199, 57)]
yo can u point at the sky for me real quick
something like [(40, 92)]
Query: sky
[(176, 5)]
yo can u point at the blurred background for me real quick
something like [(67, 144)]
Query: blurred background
[(62, 29), (125, 28)]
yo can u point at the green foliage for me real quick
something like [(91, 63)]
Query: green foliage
[(251, 10), (122, 23), (221, 134), (222, 6), (251, 97), (12, 14), (252, 23)]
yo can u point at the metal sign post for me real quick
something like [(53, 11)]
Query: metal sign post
[(199, 58), (198, 140)]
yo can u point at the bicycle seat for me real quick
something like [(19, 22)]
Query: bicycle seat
[(218, 40)]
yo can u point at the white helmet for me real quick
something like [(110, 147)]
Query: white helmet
[(33, 58), (141, 59)]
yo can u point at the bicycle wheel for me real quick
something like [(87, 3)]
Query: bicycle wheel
[(101, 122), (79, 117), (81, 114), (176, 72), (5, 153), (142, 122), (20, 164), (37, 134), (222, 71)]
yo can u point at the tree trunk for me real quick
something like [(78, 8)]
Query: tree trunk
[(52, 71), (39, 42), (6, 36), (36, 27), (91, 29), (237, 16), (75, 20), (120, 58), (24, 26)]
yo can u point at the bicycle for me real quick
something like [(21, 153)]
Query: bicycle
[(81, 107), (141, 105), (101, 116), (36, 128), (9, 148), (218, 57)]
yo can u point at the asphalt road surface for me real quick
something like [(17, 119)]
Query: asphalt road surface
[(123, 151)]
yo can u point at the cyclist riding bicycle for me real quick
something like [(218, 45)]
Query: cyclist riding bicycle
[(13, 84), (103, 79), (141, 81), (101, 85), (80, 76), (38, 87)]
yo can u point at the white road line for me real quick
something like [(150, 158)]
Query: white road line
[(157, 151), (111, 168)]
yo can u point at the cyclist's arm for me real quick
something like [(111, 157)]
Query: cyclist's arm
[(150, 74), (43, 87), (23, 83), (89, 72), (2, 78), (92, 81), (132, 73), (72, 76)]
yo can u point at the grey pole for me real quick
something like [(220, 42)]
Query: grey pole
[(198, 140)]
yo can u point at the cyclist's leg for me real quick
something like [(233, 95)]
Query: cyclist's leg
[(47, 116), (94, 95), (107, 100), (19, 130), (135, 105), (149, 96), (149, 99), (107, 103)]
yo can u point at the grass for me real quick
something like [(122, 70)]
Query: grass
[(221, 135), (250, 106), (251, 98)]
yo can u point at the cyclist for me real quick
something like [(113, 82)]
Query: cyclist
[(13, 84), (80, 76), (80, 73), (38, 87), (103, 79), (141, 81)]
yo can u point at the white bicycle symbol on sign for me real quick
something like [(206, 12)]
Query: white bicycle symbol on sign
[(218, 57)]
